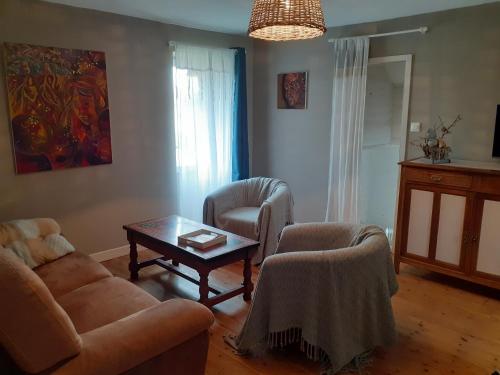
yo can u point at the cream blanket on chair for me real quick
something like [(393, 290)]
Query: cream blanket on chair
[(272, 196), (329, 289)]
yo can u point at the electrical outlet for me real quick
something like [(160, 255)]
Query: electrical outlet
[(415, 127)]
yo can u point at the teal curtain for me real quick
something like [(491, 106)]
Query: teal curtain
[(240, 158)]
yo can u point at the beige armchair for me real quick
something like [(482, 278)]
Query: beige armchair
[(71, 316), (257, 208), (328, 288)]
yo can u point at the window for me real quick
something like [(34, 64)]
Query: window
[(203, 100)]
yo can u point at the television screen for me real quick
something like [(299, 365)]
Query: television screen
[(496, 142)]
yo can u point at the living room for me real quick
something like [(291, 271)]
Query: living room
[(307, 151)]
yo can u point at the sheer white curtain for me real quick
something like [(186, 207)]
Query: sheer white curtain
[(348, 112), (203, 98)]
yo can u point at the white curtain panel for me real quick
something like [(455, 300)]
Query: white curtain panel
[(203, 98), (348, 110)]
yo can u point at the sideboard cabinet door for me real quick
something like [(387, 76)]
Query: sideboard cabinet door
[(436, 226), (488, 238), (451, 229), (419, 222)]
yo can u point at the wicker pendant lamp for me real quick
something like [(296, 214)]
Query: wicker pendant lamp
[(280, 20)]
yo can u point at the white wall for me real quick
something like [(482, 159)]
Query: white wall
[(380, 154), (397, 112), (378, 107), (378, 185)]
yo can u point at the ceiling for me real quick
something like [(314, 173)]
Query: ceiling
[(232, 16)]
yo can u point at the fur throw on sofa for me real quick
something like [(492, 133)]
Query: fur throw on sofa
[(35, 241)]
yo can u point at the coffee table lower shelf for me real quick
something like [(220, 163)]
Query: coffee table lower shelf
[(208, 301)]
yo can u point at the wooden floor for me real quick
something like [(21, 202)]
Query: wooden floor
[(446, 326)]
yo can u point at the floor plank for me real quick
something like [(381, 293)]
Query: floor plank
[(446, 326)]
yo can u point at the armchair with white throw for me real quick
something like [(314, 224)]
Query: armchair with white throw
[(328, 288), (257, 208)]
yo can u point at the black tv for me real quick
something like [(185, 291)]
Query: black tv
[(496, 141)]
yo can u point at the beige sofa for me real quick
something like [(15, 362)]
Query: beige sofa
[(71, 316)]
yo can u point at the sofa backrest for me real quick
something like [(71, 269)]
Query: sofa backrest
[(35, 331)]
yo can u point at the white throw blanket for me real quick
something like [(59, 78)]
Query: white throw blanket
[(34, 241), (272, 196), (328, 288)]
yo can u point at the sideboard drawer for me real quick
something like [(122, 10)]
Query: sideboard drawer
[(487, 184), (439, 177)]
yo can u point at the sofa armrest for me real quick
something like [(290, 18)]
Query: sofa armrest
[(128, 342)]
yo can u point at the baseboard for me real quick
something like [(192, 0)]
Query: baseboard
[(105, 255)]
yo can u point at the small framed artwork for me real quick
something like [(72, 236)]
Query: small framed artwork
[(292, 90)]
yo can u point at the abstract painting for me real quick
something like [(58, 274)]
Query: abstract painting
[(292, 90), (58, 105)]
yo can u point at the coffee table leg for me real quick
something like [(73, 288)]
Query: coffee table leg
[(203, 286), (247, 279), (133, 266)]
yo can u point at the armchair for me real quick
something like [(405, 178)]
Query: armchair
[(328, 288), (258, 208)]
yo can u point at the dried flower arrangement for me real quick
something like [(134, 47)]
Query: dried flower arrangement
[(434, 146)]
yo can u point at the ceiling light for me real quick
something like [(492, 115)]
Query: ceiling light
[(280, 20)]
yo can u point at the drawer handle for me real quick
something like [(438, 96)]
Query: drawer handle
[(436, 178)]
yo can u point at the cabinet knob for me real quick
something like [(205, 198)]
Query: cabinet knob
[(474, 238), (436, 178)]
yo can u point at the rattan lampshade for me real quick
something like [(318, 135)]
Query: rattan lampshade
[(280, 20)]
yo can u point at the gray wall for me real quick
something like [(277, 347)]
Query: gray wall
[(93, 203), (456, 70)]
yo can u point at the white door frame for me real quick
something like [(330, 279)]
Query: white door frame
[(405, 109)]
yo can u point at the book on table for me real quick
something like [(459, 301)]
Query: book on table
[(202, 239)]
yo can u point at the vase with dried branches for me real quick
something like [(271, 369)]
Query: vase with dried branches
[(434, 145)]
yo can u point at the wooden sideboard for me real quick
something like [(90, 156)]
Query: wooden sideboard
[(449, 219)]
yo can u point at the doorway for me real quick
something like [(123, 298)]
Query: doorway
[(384, 139)]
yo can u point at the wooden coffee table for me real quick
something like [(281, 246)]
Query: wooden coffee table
[(160, 235)]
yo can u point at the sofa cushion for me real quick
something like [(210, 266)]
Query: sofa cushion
[(104, 301), (241, 220), (35, 331), (34, 241), (71, 272)]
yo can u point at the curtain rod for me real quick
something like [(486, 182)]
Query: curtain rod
[(172, 44), (421, 30)]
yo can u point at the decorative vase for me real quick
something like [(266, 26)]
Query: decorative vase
[(440, 155), (434, 146)]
